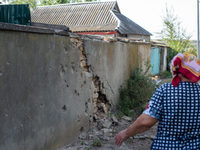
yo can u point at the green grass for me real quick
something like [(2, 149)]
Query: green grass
[(97, 142)]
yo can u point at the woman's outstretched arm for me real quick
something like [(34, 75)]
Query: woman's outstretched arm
[(143, 123)]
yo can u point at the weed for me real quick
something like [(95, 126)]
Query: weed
[(129, 140), (82, 143), (119, 114), (87, 148), (136, 92), (97, 142)]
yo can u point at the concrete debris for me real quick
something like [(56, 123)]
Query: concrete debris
[(83, 135), (127, 118), (107, 132), (104, 130), (110, 39), (91, 136), (105, 109), (106, 123), (95, 95), (95, 117), (105, 138), (114, 119), (124, 40)]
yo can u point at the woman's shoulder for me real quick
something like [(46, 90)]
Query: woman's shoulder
[(180, 85), (165, 85)]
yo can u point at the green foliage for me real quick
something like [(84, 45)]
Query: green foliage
[(97, 142), (90, 0), (170, 54), (137, 92), (62, 1), (166, 74), (174, 35), (129, 140), (48, 2), (32, 3), (82, 143), (54, 2)]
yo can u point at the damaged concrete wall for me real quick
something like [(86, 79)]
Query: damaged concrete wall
[(111, 64), (51, 84), (45, 97)]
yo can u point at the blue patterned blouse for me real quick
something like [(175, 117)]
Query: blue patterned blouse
[(178, 112)]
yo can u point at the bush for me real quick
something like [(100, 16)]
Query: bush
[(136, 92)]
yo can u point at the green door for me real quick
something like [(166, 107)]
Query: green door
[(155, 60)]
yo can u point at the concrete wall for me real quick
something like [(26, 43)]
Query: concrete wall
[(113, 62), (52, 82), (140, 37)]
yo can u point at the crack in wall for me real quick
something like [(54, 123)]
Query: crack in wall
[(99, 99), (78, 42)]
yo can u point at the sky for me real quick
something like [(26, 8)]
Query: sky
[(149, 14)]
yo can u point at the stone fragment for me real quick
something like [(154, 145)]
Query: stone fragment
[(127, 118), (107, 132), (82, 136), (114, 119), (107, 123), (104, 108)]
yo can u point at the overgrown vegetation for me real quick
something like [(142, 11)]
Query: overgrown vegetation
[(136, 93)]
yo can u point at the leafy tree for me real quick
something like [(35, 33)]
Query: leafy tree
[(62, 1), (32, 3), (54, 2), (48, 2), (174, 35)]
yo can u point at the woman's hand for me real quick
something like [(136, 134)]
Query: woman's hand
[(121, 137)]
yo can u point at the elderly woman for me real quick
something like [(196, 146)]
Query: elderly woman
[(176, 106)]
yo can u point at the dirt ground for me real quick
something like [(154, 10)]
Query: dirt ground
[(102, 132), (103, 138)]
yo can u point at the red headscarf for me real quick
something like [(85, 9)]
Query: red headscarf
[(187, 65)]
